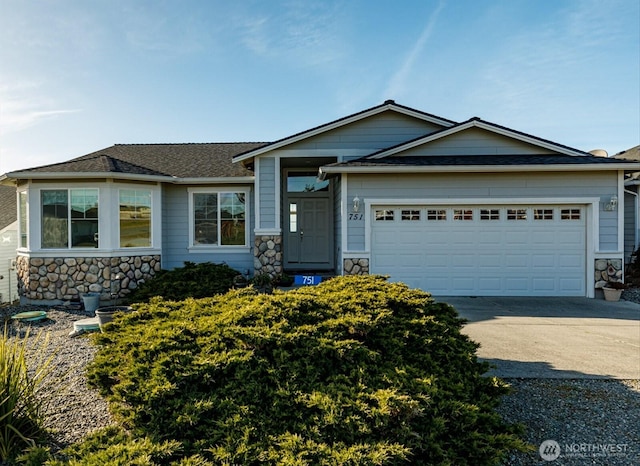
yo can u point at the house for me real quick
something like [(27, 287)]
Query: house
[(632, 206), (455, 208), (8, 244)]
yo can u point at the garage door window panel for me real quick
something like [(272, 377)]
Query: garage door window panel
[(489, 214), (384, 215), (516, 214), (462, 214), (436, 214), (570, 214), (543, 214), (410, 215)]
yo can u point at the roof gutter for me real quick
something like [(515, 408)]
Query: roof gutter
[(122, 176), (323, 171)]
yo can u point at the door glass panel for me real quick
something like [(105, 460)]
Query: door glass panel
[(306, 183), (293, 217)]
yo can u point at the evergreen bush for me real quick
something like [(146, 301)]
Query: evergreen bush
[(354, 371), (191, 281)]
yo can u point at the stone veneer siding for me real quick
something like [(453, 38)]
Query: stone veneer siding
[(355, 266), (267, 255), (608, 270), (65, 278)]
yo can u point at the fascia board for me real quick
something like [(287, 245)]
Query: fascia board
[(127, 176), (482, 125), (474, 168), (337, 124)]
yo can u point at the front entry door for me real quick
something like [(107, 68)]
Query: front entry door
[(308, 222)]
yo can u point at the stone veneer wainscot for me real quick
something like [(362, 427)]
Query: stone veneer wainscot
[(356, 266), (65, 278), (268, 255)]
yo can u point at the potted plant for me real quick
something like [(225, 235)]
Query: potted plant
[(613, 290)]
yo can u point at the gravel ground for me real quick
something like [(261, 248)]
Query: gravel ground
[(74, 409), (581, 415)]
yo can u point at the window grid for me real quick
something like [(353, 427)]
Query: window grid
[(462, 214), (436, 214), (411, 215), (570, 214), (516, 214), (489, 214), (543, 214), (384, 215)]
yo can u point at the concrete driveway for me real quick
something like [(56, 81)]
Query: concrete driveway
[(554, 337)]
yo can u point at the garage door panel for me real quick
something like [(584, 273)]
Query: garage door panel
[(545, 285), (483, 257), (436, 260)]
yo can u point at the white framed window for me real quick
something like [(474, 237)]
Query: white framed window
[(516, 214), (489, 214), (23, 224), (218, 218), (69, 218), (134, 207), (462, 214), (411, 215), (543, 214), (384, 215), (570, 214), (436, 214)]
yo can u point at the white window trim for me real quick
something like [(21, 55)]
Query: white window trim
[(40, 223), (151, 219), (205, 248), (108, 220)]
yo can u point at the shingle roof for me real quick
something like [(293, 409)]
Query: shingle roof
[(477, 160), (203, 160), (8, 212)]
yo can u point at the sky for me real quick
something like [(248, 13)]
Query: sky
[(77, 76)]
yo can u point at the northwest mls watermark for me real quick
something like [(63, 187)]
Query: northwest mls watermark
[(551, 450)]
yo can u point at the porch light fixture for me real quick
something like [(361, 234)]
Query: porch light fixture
[(356, 203), (613, 203)]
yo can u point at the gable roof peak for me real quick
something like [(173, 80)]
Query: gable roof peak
[(389, 102)]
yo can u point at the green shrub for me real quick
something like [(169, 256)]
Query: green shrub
[(353, 371), (22, 398), (191, 281)]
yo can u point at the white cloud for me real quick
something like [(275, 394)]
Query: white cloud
[(22, 107), (305, 33), (398, 80)]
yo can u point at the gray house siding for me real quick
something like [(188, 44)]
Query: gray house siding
[(8, 246), (502, 187), (630, 227), (266, 178), (366, 136), (175, 232), (475, 141)]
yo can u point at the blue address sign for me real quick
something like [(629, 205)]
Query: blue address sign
[(301, 280)]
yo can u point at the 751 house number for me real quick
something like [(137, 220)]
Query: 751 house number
[(356, 216)]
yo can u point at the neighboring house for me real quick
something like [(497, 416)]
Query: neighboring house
[(469, 208), (632, 206), (8, 244)]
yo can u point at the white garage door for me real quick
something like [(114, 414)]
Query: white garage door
[(482, 250)]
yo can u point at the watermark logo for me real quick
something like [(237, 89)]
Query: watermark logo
[(549, 450)]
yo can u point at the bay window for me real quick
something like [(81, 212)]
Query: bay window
[(135, 218), (218, 219), (69, 218), (24, 219)]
